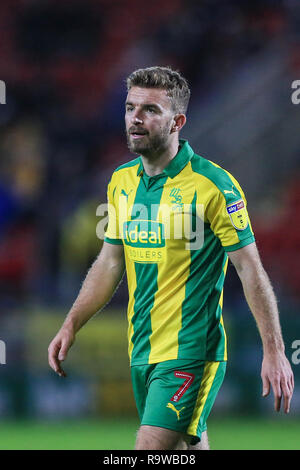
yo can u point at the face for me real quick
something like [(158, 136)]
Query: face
[(149, 120)]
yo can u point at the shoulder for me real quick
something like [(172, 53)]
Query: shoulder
[(216, 177), (125, 168), (210, 170), (128, 165)]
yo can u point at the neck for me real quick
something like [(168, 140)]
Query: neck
[(156, 163)]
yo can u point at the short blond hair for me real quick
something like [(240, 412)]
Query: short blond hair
[(164, 78)]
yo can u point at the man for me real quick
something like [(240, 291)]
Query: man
[(177, 341)]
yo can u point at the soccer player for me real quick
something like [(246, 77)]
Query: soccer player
[(177, 340)]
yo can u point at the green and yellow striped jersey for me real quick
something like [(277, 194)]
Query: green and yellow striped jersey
[(176, 229)]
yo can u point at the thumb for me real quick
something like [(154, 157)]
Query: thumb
[(266, 386)]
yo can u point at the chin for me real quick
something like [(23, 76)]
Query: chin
[(138, 149)]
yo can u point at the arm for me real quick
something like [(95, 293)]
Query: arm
[(276, 369), (97, 289)]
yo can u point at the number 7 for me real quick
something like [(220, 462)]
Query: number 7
[(189, 379)]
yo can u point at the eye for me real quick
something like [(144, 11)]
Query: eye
[(129, 108)]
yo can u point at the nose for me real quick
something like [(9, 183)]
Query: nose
[(137, 118)]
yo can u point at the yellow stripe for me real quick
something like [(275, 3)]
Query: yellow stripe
[(127, 180), (166, 313), (225, 339), (209, 374), (131, 277), (221, 319)]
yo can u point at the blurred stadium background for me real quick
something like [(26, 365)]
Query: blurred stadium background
[(62, 134)]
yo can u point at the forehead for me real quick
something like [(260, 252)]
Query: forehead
[(141, 96)]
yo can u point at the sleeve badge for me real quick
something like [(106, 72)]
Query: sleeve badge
[(238, 214)]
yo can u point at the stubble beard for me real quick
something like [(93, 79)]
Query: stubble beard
[(154, 145)]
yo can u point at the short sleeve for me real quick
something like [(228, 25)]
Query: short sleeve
[(229, 219), (112, 234)]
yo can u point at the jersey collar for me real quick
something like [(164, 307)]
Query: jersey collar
[(177, 164)]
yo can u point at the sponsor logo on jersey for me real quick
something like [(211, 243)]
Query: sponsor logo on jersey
[(238, 215), (145, 240), (143, 234)]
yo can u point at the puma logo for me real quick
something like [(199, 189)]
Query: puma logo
[(172, 407), (229, 192), (125, 194)]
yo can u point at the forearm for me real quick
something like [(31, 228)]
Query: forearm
[(276, 370), (262, 302), (97, 289)]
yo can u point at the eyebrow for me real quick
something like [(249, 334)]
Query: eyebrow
[(145, 105)]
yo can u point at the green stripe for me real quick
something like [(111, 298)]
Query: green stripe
[(216, 175), (216, 341), (241, 244), (146, 285), (113, 241), (134, 162), (211, 398), (146, 280), (206, 265)]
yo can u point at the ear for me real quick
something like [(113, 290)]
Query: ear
[(179, 121)]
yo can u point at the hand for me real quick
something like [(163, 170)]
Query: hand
[(58, 349), (276, 370)]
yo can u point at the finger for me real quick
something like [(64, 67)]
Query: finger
[(286, 395), (277, 393), (292, 382), (53, 360), (63, 350), (277, 402), (266, 386), (58, 369), (53, 351), (61, 372), (290, 385)]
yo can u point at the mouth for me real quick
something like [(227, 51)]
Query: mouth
[(137, 134)]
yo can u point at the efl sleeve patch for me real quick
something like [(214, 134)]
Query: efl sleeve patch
[(238, 214)]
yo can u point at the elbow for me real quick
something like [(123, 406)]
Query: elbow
[(251, 272)]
